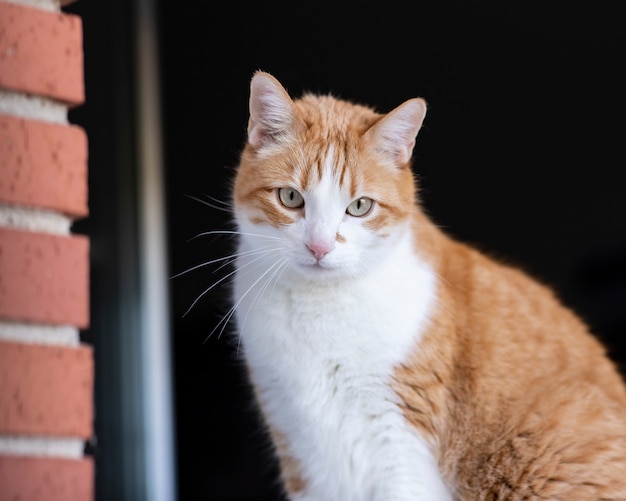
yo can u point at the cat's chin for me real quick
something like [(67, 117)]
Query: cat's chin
[(321, 271)]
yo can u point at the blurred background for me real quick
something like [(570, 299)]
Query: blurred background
[(521, 154)]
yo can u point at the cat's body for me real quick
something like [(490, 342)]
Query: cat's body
[(391, 362)]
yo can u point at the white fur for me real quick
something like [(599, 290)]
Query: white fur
[(321, 356)]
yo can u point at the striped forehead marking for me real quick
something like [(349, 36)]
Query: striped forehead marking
[(329, 166), (327, 181), (335, 170)]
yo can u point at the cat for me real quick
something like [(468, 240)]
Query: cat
[(391, 362)]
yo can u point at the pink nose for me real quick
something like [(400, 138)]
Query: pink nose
[(319, 250)]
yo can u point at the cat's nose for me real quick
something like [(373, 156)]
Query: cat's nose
[(319, 249)]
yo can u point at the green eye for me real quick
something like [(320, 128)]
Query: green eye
[(360, 207), (290, 198)]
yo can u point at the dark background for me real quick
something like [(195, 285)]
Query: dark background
[(521, 153)]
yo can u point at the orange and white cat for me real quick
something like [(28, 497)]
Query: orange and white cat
[(392, 363)]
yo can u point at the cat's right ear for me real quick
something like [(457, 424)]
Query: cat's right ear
[(273, 118)]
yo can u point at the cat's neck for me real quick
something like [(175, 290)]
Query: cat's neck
[(401, 286), (445, 255)]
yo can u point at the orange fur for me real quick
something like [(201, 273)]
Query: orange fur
[(519, 399)]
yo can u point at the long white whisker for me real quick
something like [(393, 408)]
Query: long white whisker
[(215, 284), (232, 232), (224, 321), (202, 265), (261, 250), (229, 259), (282, 266), (226, 207), (219, 201), (277, 276)]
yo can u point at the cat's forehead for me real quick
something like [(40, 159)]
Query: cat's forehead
[(328, 166)]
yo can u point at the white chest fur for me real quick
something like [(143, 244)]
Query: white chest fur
[(322, 355)]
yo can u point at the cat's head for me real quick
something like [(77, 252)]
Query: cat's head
[(325, 183)]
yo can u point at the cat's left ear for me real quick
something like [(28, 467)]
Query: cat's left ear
[(395, 133)]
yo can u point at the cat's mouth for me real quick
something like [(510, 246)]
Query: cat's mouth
[(320, 264), (320, 268)]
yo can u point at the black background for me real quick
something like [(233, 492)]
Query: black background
[(521, 154)]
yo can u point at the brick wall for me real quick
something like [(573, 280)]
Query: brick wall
[(46, 373)]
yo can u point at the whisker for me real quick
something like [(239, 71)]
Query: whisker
[(226, 319), (282, 266), (232, 232), (201, 265), (277, 277), (215, 284), (229, 259), (261, 250), (226, 207)]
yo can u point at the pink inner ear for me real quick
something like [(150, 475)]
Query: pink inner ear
[(404, 154), (257, 135), (395, 133), (271, 111)]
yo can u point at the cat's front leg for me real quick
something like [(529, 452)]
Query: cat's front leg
[(422, 495), (416, 493), (410, 473), (430, 489), (400, 492)]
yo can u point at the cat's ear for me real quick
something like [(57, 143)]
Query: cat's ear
[(273, 117), (395, 133)]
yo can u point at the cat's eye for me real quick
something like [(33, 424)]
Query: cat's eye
[(290, 198), (360, 207)]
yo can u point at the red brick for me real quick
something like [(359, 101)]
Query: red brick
[(46, 479), (43, 165), (44, 278), (41, 53), (46, 390)]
